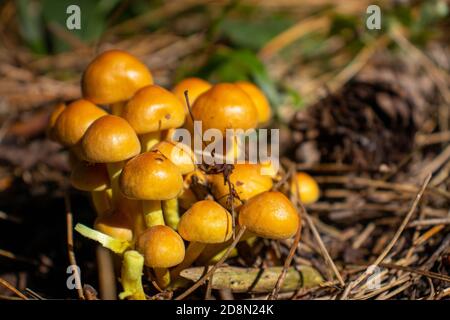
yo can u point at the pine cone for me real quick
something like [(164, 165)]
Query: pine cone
[(371, 121)]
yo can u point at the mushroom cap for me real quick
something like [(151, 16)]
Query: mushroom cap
[(114, 76), (152, 109), (74, 120), (225, 106), (151, 176), (89, 176), (247, 180), (308, 189), (194, 86), (161, 247), (270, 215), (116, 224), (110, 139), (178, 153), (54, 115), (259, 99), (206, 222)]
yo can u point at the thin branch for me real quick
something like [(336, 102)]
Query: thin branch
[(11, 288), (324, 249), (70, 252), (293, 249), (429, 274), (391, 244)]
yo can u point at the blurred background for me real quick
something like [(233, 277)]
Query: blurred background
[(318, 63)]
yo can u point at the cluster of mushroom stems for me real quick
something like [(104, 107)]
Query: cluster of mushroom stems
[(120, 136)]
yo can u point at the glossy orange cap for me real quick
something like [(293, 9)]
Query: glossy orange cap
[(270, 215), (161, 247), (110, 139), (114, 76), (178, 153), (307, 188), (206, 222), (194, 86), (74, 120), (225, 106), (247, 180), (259, 99), (151, 176), (153, 108)]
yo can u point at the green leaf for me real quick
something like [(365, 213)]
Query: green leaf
[(228, 65), (94, 16), (31, 27), (253, 34)]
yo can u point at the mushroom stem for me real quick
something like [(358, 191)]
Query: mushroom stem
[(132, 269), (212, 250), (114, 171), (171, 214), (162, 277), (148, 140), (152, 213), (139, 224), (217, 257), (101, 202), (193, 251)]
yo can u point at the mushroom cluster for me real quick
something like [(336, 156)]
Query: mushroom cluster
[(150, 195)]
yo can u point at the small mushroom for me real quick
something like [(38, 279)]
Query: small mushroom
[(152, 178), (183, 157), (162, 248), (225, 106), (74, 121), (151, 110), (113, 77), (305, 187), (270, 215), (206, 222), (111, 140), (247, 181)]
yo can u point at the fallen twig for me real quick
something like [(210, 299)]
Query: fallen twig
[(257, 280), (391, 244), (11, 288), (70, 252)]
